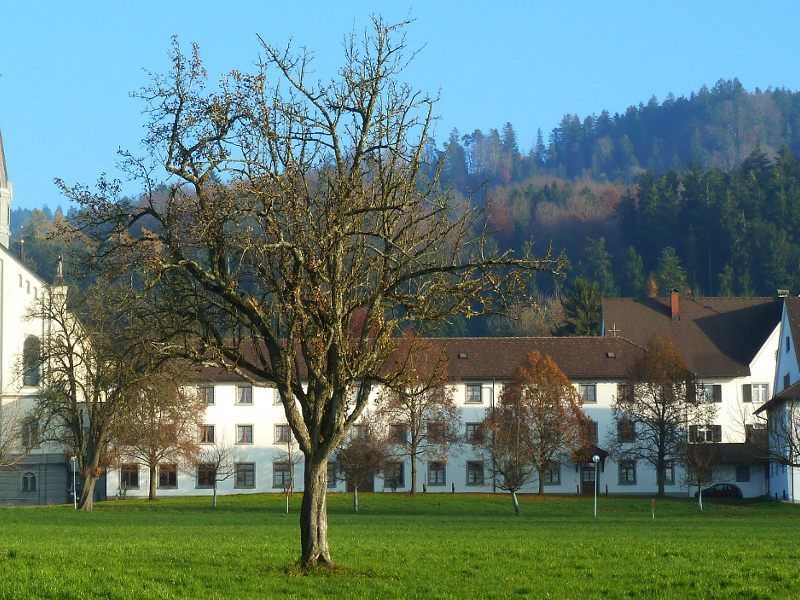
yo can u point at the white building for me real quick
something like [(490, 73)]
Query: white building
[(42, 475), (254, 420), (783, 409)]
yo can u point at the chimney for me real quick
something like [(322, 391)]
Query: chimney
[(675, 305)]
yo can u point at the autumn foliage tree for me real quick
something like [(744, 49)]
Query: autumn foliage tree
[(538, 421), (160, 426)]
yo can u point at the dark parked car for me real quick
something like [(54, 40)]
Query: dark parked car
[(721, 490)]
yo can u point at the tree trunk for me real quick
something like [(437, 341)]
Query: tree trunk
[(86, 501), (151, 492), (516, 503), (214, 496), (355, 499), (541, 482), (700, 498), (314, 514), (413, 474)]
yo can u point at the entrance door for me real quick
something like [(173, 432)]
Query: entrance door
[(587, 479)]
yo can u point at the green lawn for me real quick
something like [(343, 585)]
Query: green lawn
[(427, 546)]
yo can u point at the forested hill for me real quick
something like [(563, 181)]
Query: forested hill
[(705, 197), (712, 128)]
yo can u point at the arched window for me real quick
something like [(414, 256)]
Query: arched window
[(31, 360), (29, 482)]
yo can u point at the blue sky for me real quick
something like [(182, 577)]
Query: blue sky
[(67, 68)]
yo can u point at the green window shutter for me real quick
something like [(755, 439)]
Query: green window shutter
[(747, 392)]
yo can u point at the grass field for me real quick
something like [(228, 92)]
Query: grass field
[(434, 545)]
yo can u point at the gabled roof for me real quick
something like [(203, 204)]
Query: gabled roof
[(580, 358), (792, 304), (3, 170), (718, 337)]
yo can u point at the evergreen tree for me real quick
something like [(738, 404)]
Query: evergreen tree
[(670, 272), (633, 275), (725, 281), (599, 267), (582, 307)]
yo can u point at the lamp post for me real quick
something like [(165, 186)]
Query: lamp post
[(74, 486), (595, 460)]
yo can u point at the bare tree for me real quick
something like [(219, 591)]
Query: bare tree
[(654, 415), (216, 463), (289, 454), (95, 359), (299, 218), (160, 425), (782, 420), (699, 460), (363, 455), (12, 444), (422, 417)]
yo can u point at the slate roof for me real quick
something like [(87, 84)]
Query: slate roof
[(718, 337), (589, 358)]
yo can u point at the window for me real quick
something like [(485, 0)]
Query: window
[(129, 477), (788, 344), (397, 433), (244, 475), (281, 475), (206, 394), (474, 393), (760, 392), (167, 476), (626, 431), (474, 472), (669, 473), (627, 472), (624, 392), (437, 473), (282, 433), (31, 360), (29, 482), (206, 476), (206, 434), (589, 393), (786, 381), (742, 473), (244, 434), (436, 432), (552, 473), (711, 392), (394, 475), (244, 394), (30, 433), (472, 432), (705, 433), (333, 474)]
